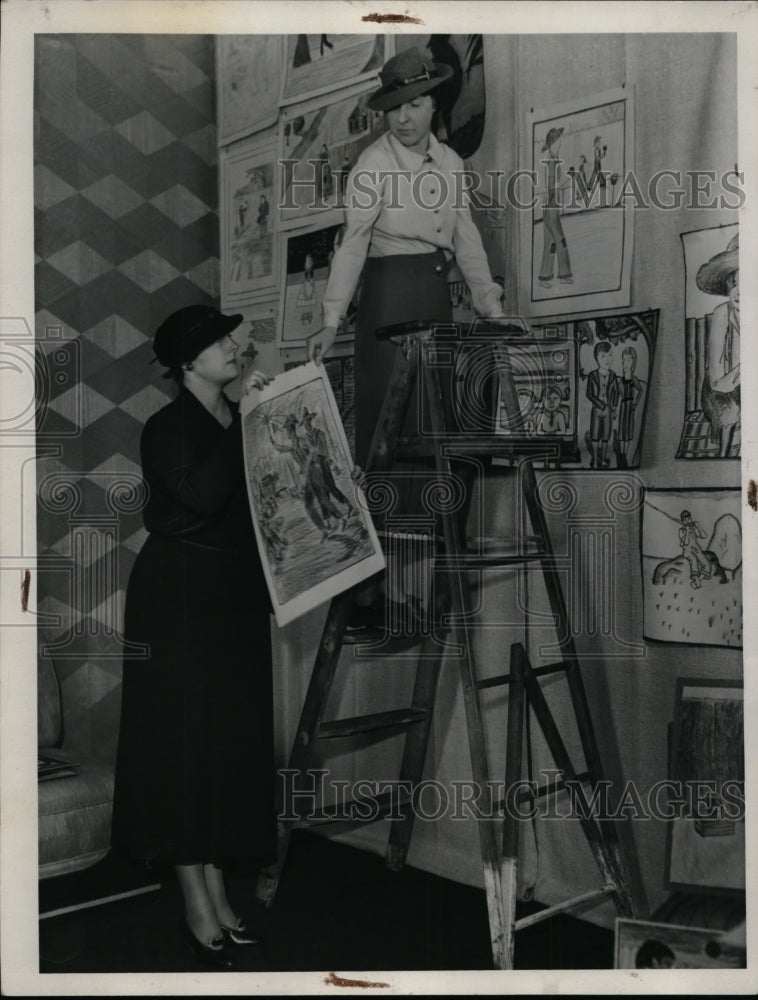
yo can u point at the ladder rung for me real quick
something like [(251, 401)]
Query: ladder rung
[(499, 679), (465, 560), (354, 811), (367, 723), (553, 786), (568, 904)]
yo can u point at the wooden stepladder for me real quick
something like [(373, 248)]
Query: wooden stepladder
[(450, 448)]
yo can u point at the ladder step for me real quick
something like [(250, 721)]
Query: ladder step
[(568, 904), (475, 561), (367, 723), (367, 810), (500, 679)]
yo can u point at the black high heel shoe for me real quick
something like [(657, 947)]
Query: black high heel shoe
[(239, 935), (217, 958)]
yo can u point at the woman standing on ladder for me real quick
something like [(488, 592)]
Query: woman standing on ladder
[(406, 218)]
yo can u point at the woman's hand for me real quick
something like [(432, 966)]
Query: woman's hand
[(256, 380), (320, 343), (358, 476)]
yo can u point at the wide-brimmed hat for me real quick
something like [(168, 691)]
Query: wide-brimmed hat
[(711, 277), (405, 76), (553, 134), (307, 415), (188, 331)]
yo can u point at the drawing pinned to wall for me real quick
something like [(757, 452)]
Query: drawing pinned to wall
[(316, 64), (712, 408), (307, 261), (314, 532), (249, 75), (461, 100), (318, 146), (692, 566), (615, 361), (248, 235), (544, 377), (705, 850), (580, 230)]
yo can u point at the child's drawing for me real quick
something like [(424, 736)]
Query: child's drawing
[(692, 566), (314, 532), (712, 408), (580, 227), (318, 145), (316, 64)]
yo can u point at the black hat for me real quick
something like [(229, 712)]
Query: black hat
[(188, 331), (405, 76)]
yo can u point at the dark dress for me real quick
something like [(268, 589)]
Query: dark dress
[(195, 768)]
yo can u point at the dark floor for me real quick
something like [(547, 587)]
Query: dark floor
[(337, 908)]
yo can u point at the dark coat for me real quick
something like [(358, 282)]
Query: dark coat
[(195, 771)]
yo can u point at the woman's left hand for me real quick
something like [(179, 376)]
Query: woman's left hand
[(256, 379)]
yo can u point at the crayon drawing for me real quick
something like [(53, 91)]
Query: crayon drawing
[(315, 64), (248, 237), (580, 229), (318, 146), (712, 344), (692, 566), (249, 73), (314, 533), (705, 848)]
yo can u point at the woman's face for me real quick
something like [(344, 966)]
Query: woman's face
[(627, 364), (218, 363), (411, 122)]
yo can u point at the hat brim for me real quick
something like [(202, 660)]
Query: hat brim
[(551, 137), (711, 278), (387, 98)]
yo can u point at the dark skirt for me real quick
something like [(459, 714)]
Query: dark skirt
[(195, 767), (396, 289)]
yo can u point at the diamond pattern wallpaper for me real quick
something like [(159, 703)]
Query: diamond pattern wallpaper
[(126, 231)]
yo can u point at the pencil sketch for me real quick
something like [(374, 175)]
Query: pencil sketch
[(314, 532)]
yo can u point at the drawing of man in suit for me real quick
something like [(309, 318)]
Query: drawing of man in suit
[(603, 393)]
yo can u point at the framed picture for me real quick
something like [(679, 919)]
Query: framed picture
[(311, 521), (692, 566), (306, 260), (578, 236), (544, 377), (248, 81), (256, 338), (705, 847), (712, 409), (248, 234), (316, 64), (642, 944), (319, 142)]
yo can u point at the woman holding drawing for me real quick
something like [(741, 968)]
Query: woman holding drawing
[(195, 767), (406, 218)]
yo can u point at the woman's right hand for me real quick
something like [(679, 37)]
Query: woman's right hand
[(320, 343)]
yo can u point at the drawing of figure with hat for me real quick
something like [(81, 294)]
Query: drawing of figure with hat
[(320, 490), (721, 386), (553, 235)]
